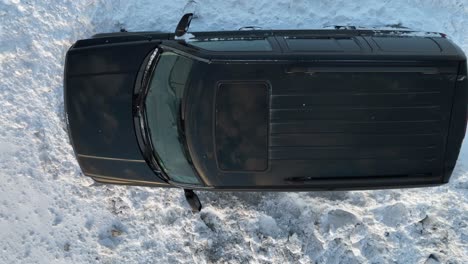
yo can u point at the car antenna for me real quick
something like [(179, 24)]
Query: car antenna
[(192, 200), (184, 24)]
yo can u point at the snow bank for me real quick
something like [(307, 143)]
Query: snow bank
[(50, 213)]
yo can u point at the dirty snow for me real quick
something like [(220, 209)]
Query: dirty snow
[(50, 213)]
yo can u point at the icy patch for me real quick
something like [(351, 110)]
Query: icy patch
[(338, 219), (392, 215)]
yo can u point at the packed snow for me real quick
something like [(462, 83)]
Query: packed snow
[(51, 213)]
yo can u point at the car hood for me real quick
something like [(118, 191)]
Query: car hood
[(99, 87)]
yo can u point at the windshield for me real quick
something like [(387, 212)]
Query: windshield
[(162, 107)]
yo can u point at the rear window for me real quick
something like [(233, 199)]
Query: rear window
[(233, 44)]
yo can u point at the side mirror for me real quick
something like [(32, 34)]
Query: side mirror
[(184, 24), (193, 201)]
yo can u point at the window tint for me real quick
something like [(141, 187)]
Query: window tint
[(322, 44), (407, 44), (167, 87), (233, 45)]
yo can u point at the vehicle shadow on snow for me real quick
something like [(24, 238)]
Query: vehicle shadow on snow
[(254, 199), (310, 226), (293, 226)]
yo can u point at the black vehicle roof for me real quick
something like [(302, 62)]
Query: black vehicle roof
[(386, 121)]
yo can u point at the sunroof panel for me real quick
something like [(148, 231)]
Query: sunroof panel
[(242, 126)]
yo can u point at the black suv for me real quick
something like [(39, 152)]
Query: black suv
[(267, 109)]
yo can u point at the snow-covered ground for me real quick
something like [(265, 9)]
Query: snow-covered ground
[(50, 213)]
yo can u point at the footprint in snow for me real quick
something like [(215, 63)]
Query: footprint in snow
[(111, 237)]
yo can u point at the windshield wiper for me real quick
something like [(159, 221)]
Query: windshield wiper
[(148, 150), (181, 133)]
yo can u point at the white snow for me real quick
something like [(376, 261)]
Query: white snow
[(51, 213)]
